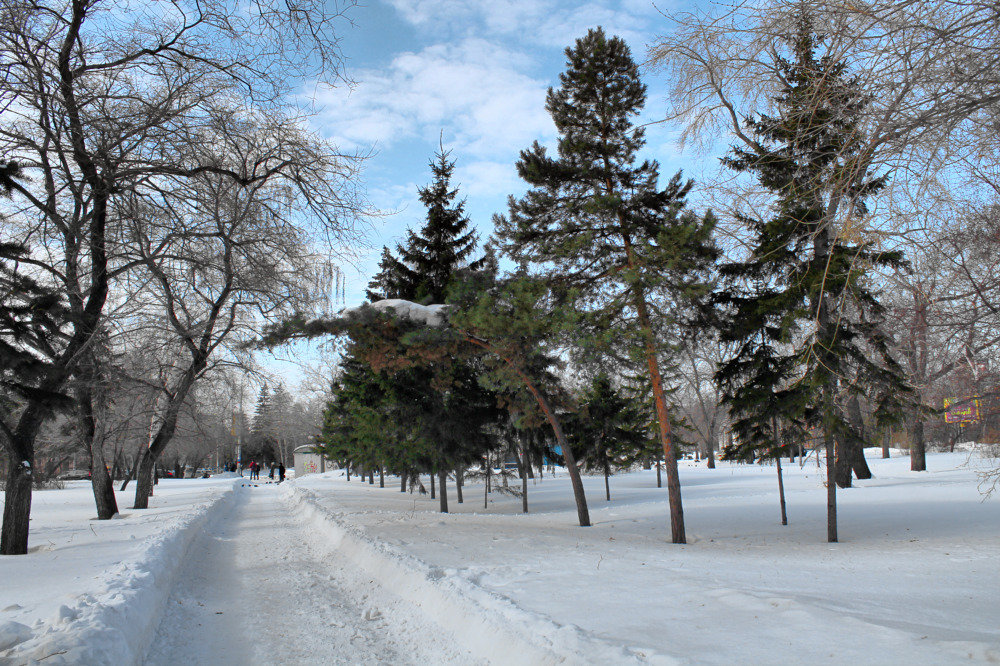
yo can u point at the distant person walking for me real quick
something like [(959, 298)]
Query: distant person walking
[(270, 472), (281, 472)]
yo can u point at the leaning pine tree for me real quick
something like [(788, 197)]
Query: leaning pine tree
[(798, 305), (625, 252)]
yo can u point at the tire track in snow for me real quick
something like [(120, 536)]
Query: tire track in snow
[(259, 587)]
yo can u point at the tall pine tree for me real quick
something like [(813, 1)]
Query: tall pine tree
[(799, 304), (626, 252), (445, 398), (429, 259)]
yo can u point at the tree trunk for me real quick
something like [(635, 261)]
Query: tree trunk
[(17, 505), (458, 484), (381, 477), (371, 476), (607, 486), (711, 455), (583, 514), (432, 484), (831, 481), (402, 481), (842, 473), (885, 444), (856, 447), (781, 492), (525, 464), (663, 419), (100, 479), (659, 475), (443, 478), (918, 449)]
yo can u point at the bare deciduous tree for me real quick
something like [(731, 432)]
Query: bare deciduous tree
[(102, 99)]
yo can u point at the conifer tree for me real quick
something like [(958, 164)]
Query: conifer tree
[(429, 259), (608, 430), (425, 267), (596, 220), (799, 304)]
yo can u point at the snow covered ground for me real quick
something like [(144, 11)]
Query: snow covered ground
[(320, 570)]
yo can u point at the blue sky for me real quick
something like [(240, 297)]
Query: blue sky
[(475, 73)]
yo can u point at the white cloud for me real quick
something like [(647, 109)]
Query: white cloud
[(488, 179), (474, 90), (544, 22)]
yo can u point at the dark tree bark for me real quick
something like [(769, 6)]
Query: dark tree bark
[(17, 505), (659, 474), (918, 448), (100, 479), (524, 465), (144, 483), (885, 444), (607, 485), (842, 473), (443, 478), (458, 484), (781, 492), (381, 477), (402, 481), (856, 447)]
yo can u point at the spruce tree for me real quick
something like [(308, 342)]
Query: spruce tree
[(444, 400), (429, 259), (628, 253), (608, 430), (799, 304)]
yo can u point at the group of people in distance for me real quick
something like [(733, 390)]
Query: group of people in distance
[(255, 466)]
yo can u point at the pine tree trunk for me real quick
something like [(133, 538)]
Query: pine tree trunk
[(381, 477), (458, 485), (607, 486), (583, 514), (17, 505), (371, 476), (842, 455), (443, 478), (432, 484), (525, 465), (660, 400), (402, 481), (781, 492), (856, 447), (918, 448), (885, 444), (659, 475), (831, 481)]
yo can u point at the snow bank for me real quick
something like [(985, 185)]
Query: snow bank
[(114, 622), (486, 623)]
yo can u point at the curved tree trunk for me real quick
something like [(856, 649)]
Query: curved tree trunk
[(583, 514), (100, 479)]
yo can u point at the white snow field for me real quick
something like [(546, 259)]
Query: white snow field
[(321, 570)]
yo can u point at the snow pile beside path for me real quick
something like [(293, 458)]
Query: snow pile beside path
[(115, 623), (486, 623)]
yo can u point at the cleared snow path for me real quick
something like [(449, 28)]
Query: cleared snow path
[(260, 586)]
